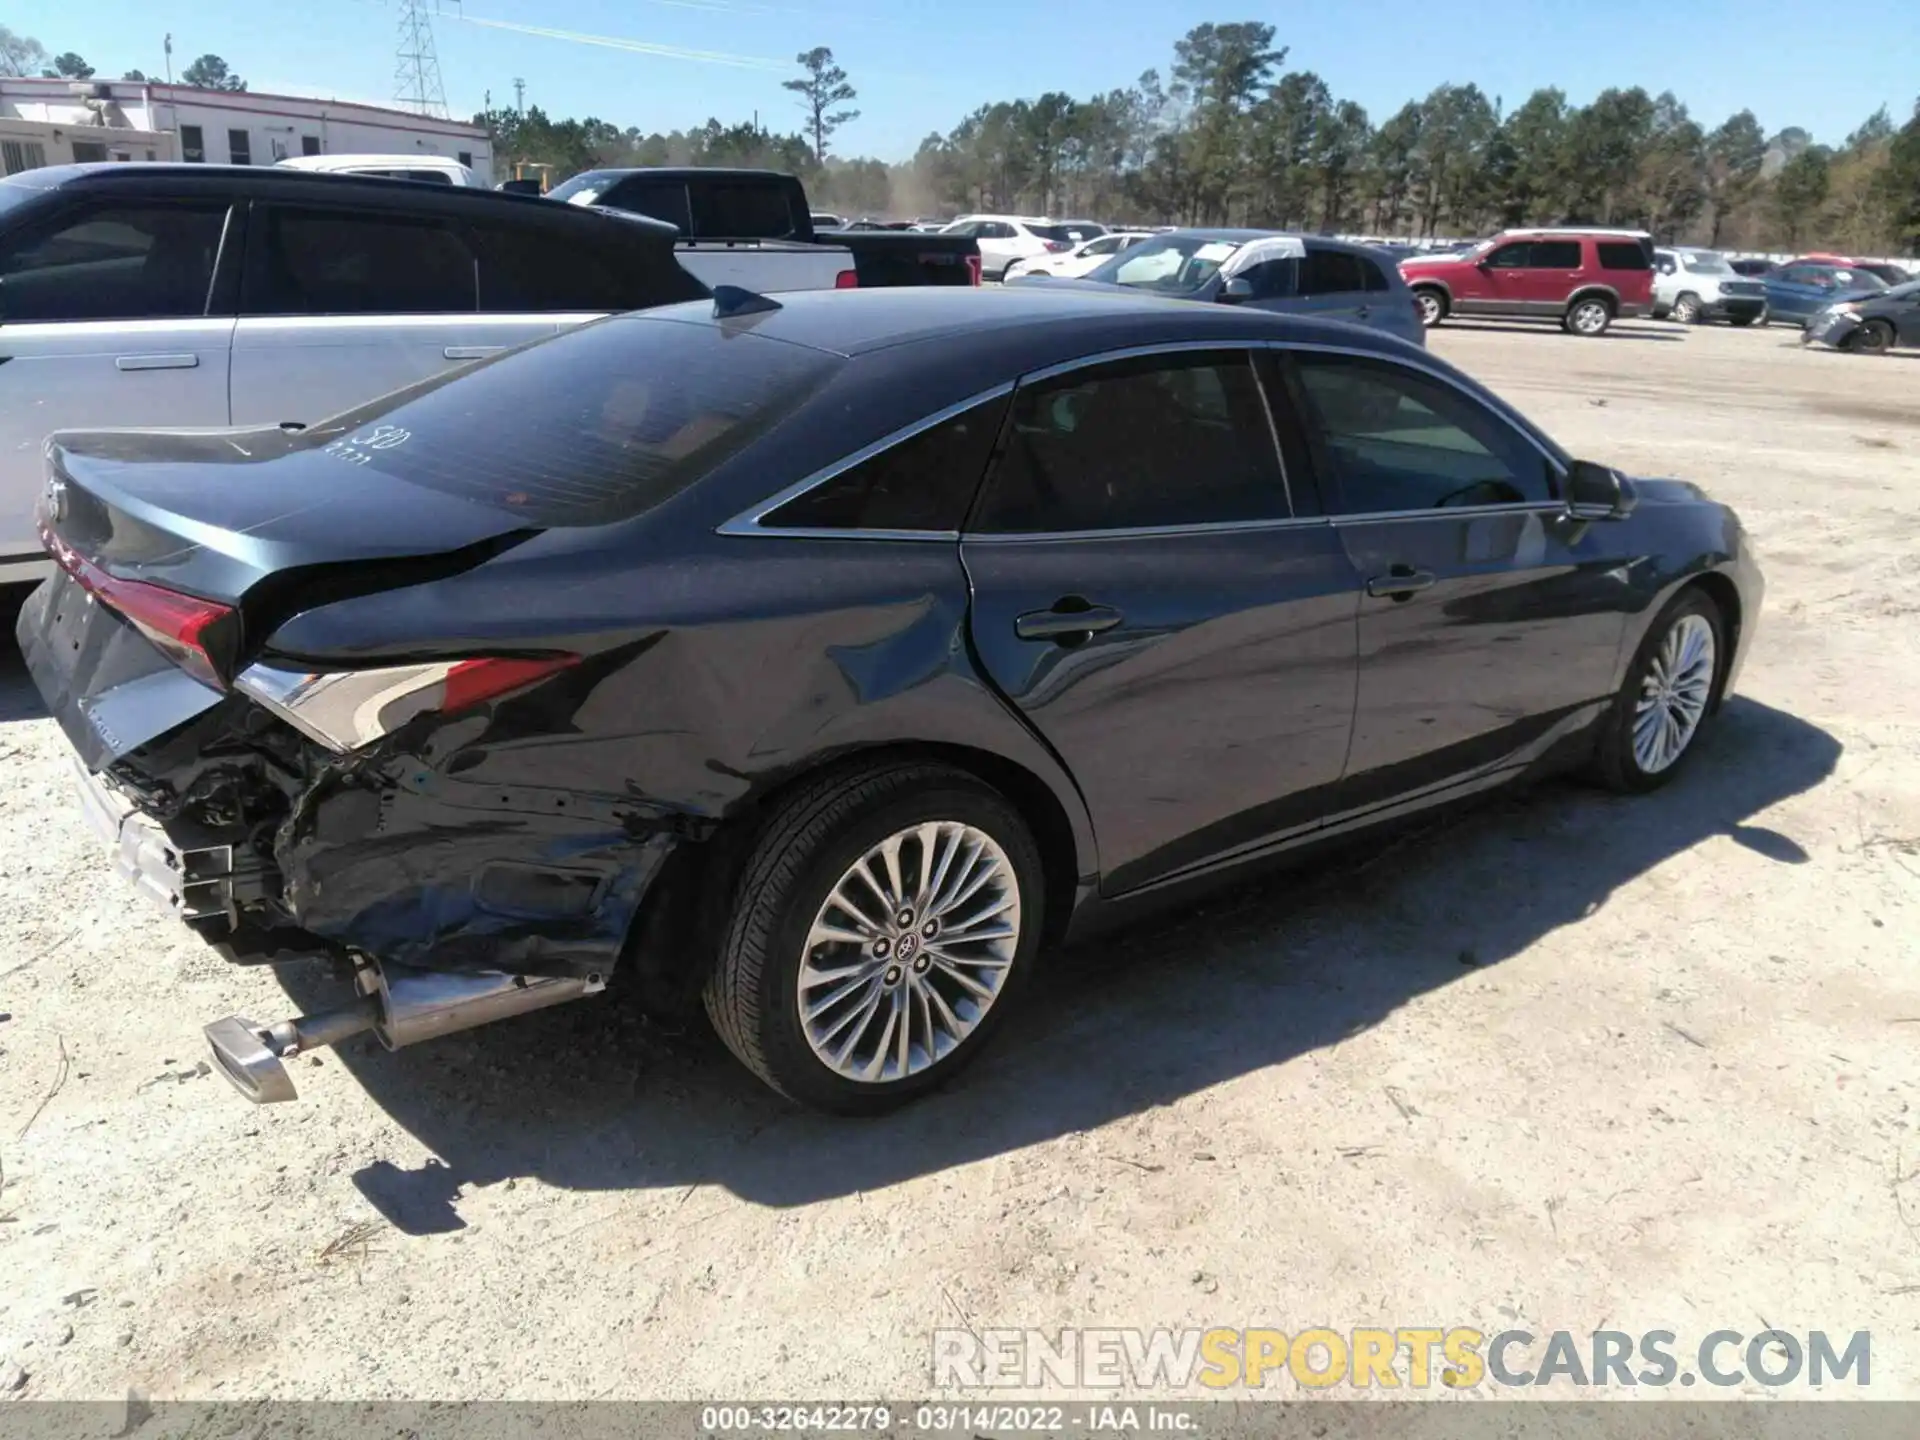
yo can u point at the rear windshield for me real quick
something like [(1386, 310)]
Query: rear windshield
[(596, 425)]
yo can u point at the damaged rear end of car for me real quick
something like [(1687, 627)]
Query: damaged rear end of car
[(287, 787)]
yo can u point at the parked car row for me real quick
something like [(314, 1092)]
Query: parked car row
[(1839, 302)]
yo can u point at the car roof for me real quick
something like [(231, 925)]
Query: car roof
[(1039, 319), (324, 162), (282, 181)]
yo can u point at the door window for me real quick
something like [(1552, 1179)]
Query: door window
[(1511, 257), (1331, 272), (1375, 277), (926, 482), (528, 271), (1558, 255), (663, 201), (746, 210), (324, 262), (1161, 440), (146, 262), (1392, 439), (1271, 279)]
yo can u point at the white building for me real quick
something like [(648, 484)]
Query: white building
[(55, 122)]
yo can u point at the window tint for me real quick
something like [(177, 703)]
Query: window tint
[(591, 427), (149, 262), (1331, 272), (1556, 255), (1375, 277), (1159, 440), (527, 269), (239, 147), (323, 262), (1622, 255), (662, 200), (1271, 279), (1392, 439), (744, 210), (1510, 257), (926, 482)]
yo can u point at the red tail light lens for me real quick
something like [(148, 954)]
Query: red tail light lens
[(176, 624), (1054, 247), (847, 280), (973, 269)]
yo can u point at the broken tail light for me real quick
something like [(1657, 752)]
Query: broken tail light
[(177, 624), (345, 709)]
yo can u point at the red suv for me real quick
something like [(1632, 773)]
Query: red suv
[(1582, 278)]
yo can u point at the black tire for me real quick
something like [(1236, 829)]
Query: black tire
[(1686, 309), (1614, 763), (1433, 305), (1874, 337), (1588, 316), (1745, 320), (800, 852)]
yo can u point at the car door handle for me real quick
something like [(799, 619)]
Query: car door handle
[(1070, 619), (471, 352), (1401, 582), (155, 362), (1363, 312)]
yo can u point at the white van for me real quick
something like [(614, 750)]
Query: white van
[(434, 169)]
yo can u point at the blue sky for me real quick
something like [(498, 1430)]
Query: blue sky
[(922, 64)]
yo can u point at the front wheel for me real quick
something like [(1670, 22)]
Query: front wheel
[(1873, 338), (1433, 307), (1669, 690), (883, 922), (1589, 317), (1686, 310)]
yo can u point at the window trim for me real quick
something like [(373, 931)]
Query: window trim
[(1556, 472), (82, 210), (747, 522)]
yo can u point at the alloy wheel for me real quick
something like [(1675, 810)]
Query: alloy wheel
[(1589, 317), (1430, 308), (1686, 310), (1674, 694), (909, 951)]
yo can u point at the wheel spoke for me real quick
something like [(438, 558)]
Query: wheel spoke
[(841, 900), (965, 981), (824, 934), (860, 1018), (852, 986), (929, 838), (879, 1060), (890, 857)]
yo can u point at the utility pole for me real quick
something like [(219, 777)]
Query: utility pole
[(519, 96), (416, 75), (169, 49)]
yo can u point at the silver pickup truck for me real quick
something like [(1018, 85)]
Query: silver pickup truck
[(211, 296)]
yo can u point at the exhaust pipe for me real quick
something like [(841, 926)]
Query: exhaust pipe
[(401, 1004)]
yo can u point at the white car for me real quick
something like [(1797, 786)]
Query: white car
[(434, 169), (1693, 286), (1076, 262), (1004, 239)]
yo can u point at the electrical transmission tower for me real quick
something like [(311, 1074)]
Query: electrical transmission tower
[(416, 76)]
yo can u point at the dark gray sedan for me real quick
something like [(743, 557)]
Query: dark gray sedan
[(828, 658)]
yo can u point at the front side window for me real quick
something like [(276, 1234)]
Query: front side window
[(1167, 264), (1272, 279), (925, 482), (1511, 257), (1391, 439), (1331, 272), (137, 262), (1157, 441), (662, 201), (325, 262)]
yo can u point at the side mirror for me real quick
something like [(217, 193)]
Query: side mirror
[(1237, 289), (1598, 492)]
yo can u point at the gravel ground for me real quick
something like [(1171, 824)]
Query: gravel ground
[(1575, 1062)]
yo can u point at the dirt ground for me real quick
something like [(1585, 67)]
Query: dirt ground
[(1575, 1062)]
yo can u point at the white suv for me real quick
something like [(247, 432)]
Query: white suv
[(1003, 239), (1693, 286)]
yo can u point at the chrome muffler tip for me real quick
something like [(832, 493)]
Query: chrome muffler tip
[(243, 1055)]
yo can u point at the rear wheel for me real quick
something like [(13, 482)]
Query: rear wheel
[(1669, 690), (1744, 320), (1687, 309), (1433, 306), (1875, 337), (882, 925), (1588, 316)]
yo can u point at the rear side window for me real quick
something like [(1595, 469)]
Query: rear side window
[(1162, 440), (525, 268), (136, 262), (326, 262), (925, 482), (1623, 255), (593, 426), (742, 210), (1331, 272), (1375, 277), (663, 200)]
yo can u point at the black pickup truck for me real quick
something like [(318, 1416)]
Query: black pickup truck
[(733, 223)]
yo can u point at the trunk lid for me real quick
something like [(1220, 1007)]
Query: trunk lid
[(229, 533)]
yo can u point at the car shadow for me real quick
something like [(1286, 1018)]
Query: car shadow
[(1552, 327), (18, 698), (594, 1097)]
